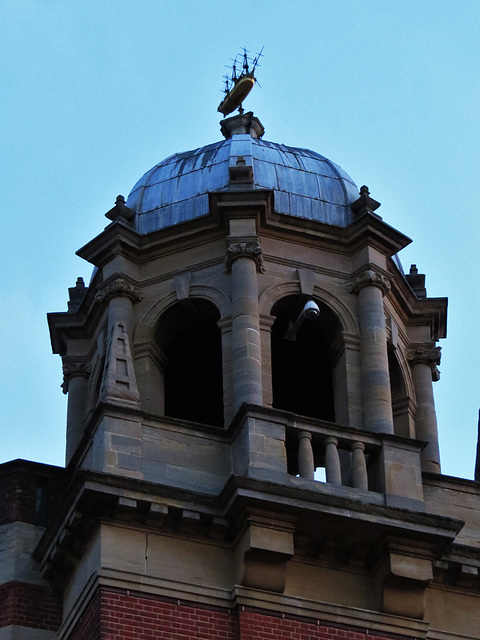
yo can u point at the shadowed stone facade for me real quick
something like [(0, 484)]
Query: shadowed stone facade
[(232, 472)]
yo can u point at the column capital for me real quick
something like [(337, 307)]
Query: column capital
[(244, 249), (119, 287), (71, 369), (428, 354), (369, 277)]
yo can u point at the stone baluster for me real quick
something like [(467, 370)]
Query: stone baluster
[(75, 383), (359, 467), (243, 260), (424, 359), (333, 472), (306, 464), (371, 286)]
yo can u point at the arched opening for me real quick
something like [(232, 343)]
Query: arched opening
[(302, 376), (400, 399), (189, 339)]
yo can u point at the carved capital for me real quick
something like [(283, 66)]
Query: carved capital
[(251, 249), (119, 287), (71, 369), (427, 354), (370, 278)]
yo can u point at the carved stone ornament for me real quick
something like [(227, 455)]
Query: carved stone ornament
[(119, 287), (71, 369), (370, 278), (427, 354), (251, 250)]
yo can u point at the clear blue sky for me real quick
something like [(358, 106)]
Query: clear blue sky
[(95, 93)]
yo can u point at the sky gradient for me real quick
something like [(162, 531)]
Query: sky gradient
[(95, 94)]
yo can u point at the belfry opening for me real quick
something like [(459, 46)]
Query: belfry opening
[(302, 377), (189, 337)]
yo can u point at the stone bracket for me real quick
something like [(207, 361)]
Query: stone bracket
[(262, 552), (402, 578)]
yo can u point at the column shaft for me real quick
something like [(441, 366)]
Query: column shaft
[(120, 309), (246, 348), (77, 393), (377, 400), (425, 416)]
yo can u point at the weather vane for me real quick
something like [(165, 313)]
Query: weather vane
[(239, 84)]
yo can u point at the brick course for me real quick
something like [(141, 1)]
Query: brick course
[(30, 492), (121, 615), (29, 605)]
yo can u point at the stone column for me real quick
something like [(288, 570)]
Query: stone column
[(244, 259), (371, 286), (120, 296), (75, 383), (424, 359)]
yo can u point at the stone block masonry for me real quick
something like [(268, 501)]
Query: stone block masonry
[(116, 614)]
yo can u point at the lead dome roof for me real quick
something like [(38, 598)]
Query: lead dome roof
[(304, 183)]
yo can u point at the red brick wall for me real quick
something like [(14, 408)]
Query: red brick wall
[(29, 491), (120, 615), (88, 627), (29, 605)]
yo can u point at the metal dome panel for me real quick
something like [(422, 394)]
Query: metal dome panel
[(305, 184)]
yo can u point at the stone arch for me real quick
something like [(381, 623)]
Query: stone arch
[(344, 355), (402, 393), (272, 294), (179, 358), (145, 326)]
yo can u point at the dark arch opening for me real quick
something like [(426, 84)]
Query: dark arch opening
[(400, 400), (302, 377), (190, 339)]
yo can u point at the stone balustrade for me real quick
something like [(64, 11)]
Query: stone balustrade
[(346, 457), (381, 463)]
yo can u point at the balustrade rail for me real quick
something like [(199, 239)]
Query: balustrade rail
[(348, 457)]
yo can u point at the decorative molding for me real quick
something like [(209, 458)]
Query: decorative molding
[(427, 354), (119, 287), (119, 385), (71, 369), (249, 249), (370, 278)]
